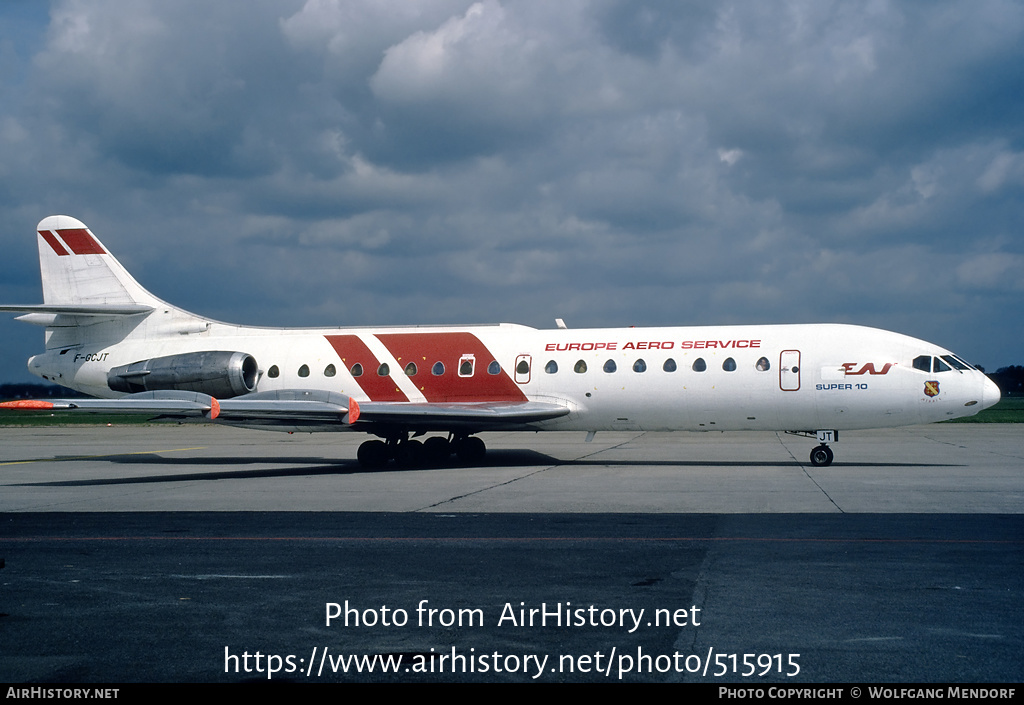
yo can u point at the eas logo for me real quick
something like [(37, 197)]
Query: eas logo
[(869, 368)]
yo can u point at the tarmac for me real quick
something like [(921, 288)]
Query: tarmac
[(177, 553)]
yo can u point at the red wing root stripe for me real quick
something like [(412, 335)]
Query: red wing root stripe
[(426, 349), (53, 243), (352, 350), (81, 241)]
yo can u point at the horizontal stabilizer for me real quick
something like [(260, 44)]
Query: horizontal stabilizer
[(105, 310)]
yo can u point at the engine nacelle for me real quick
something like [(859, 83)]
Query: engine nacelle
[(220, 374)]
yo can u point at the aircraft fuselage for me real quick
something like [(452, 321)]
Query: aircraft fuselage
[(724, 378)]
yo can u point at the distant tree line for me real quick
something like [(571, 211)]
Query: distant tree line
[(36, 391), (1010, 380)]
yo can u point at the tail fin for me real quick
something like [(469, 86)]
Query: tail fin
[(77, 270), (88, 295)]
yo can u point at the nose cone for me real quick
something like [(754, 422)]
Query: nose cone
[(990, 394)]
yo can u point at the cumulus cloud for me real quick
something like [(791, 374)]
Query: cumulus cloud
[(612, 162)]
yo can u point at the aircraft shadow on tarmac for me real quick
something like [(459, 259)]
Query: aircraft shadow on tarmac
[(503, 458)]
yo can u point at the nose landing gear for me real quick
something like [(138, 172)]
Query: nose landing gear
[(822, 456)]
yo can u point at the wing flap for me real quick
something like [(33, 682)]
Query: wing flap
[(454, 416), (288, 407)]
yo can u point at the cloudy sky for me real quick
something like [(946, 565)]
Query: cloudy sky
[(612, 163)]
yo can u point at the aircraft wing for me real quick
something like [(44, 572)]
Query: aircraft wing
[(169, 403), (299, 408)]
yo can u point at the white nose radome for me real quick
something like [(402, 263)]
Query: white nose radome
[(990, 394)]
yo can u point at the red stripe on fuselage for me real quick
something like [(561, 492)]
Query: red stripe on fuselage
[(81, 241), (352, 350), (425, 349), (53, 243)]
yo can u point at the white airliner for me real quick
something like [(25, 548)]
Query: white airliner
[(108, 337)]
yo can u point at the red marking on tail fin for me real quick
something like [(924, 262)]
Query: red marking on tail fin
[(353, 410), (81, 241), (214, 408), (54, 243)]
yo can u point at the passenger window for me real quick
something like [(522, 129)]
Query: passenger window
[(640, 366), (669, 366), (410, 369), (383, 370), (273, 372), (609, 366), (551, 368), (357, 370), (494, 368), (523, 368), (304, 371), (940, 366), (699, 365), (330, 371), (438, 369), (729, 365), (580, 367), (466, 368), (923, 363), (763, 365)]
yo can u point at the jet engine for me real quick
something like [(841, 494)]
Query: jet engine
[(220, 374)]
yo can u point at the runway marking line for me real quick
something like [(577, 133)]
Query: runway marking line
[(93, 457), (402, 539)]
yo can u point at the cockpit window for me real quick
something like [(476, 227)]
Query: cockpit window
[(923, 363), (969, 365), (939, 366), (956, 362)]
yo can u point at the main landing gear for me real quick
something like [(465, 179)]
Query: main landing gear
[(410, 453)]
